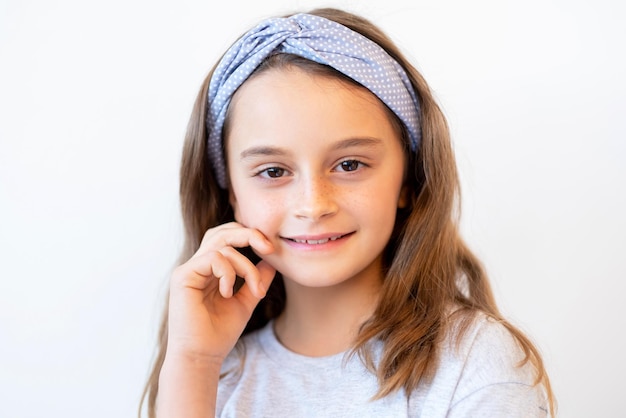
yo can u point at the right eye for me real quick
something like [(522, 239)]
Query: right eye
[(272, 172)]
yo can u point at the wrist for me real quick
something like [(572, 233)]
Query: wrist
[(181, 357), (188, 385)]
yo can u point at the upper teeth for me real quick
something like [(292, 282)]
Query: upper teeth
[(315, 241)]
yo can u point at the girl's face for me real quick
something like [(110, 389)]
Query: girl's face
[(316, 165)]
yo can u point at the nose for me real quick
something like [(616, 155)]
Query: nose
[(316, 198)]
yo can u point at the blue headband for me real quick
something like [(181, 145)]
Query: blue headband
[(317, 39)]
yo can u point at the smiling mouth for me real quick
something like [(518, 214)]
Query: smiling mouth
[(316, 241)]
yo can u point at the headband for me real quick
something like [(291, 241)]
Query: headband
[(317, 39)]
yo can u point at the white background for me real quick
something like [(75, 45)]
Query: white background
[(94, 99)]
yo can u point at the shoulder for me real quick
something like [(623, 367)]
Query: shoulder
[(493, 376), (483, 339)]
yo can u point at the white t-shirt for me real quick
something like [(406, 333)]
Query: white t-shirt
[(480, 379)]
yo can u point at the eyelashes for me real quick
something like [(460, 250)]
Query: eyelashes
[(350, 165), (276, 172), (272, 172)]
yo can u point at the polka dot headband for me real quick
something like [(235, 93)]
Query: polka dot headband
[(320, 40)]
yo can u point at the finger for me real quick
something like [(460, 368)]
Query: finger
[(213, 267), (248, 295), (234, 235), (245, 269), (226, 284), (267, 274), (224, 266), (225, 272)]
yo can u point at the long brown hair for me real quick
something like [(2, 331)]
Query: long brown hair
[(428, 266)]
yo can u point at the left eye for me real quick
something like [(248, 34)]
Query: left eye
[(349, 165), (274, 172)]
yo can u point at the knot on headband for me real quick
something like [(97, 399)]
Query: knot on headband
[(317, 39)]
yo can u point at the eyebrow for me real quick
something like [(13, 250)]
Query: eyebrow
[(266, 150)]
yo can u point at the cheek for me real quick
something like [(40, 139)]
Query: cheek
[(257, 211)]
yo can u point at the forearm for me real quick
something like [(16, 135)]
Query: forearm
[(187, 387), (205, 318)]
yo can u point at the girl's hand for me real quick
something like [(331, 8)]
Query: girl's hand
[(205, 318)]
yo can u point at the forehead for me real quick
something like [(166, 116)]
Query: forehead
[(273, 99)]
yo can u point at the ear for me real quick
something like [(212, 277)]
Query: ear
[(232, 199), (403, 198)]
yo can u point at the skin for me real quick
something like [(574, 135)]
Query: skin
[(315, 186), (321, 178)]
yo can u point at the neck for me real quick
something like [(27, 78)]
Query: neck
[(324, 321)]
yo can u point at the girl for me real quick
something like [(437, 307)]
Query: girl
[(323, 272)]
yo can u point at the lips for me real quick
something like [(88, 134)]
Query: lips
[(318, 240)]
